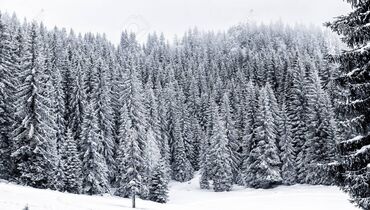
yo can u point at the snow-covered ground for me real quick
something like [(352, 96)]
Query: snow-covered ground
[(183, 196)]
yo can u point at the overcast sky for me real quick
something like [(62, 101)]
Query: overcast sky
[(170, 16)]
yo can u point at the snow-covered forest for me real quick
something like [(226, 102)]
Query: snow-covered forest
[(257, 106)]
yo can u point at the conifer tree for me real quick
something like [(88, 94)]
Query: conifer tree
[(264, 161), (72, 164), (233, 144), (5, 143), (188, 134), (34, 147), (7, 69), (249, 135), (94, 168), (131, 180), (181, 168), (104, 114), (221, 170), (354, 80), (124, 123), (158, 190), (320, 133), (56, 68), (296, 109), (288, 168), (139, 124)]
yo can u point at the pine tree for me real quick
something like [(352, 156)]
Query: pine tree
[(124, 126), (296, 109), (139, 124), (264, 161), (94, 168), (181, 168), (205, 174), (59, 176), (5, 143), (320, 133), (104, 112), (188, 133), (72, 164), (221, 170), (205, 147), (34, 147), (78, 96), (248, 135), (158, 190), (231, 133), (288, 168), (153, 130), (7, 70), (56, 67), (164, 144), (354, 79), (131, 180)]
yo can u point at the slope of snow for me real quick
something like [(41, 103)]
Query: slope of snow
[(183, 196)]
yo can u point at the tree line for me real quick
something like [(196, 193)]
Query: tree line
[(252, 106)]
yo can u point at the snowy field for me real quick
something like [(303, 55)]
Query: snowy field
[(183, 196)]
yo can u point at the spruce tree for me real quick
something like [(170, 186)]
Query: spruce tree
[(72, 164), (56, 67), (7, 70), (288, 168), (320, 144), (220, 157), (5, 143), (249, 134), (354, 80), (94, 168), (124, 126), (233, 145), (181, 168), (296, 109), (34, 135), (153, 129), (139, 124), (131, 164), (263, 168), (104, 114), (158, 190)]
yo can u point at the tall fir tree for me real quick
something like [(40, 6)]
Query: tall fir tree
[(288, 168), (320, 144), (72, 164), (233, 144), (94, 168), (354, 79), (34, 135), (104, 114), (296, 109), (131, 180), (249, 133), (220, 157), (139, 124), (7, 68), (264, 161), (158, 190)]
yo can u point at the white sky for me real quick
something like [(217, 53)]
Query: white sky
[(170, 16)]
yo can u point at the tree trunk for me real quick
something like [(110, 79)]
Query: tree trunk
[(133, 200)]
